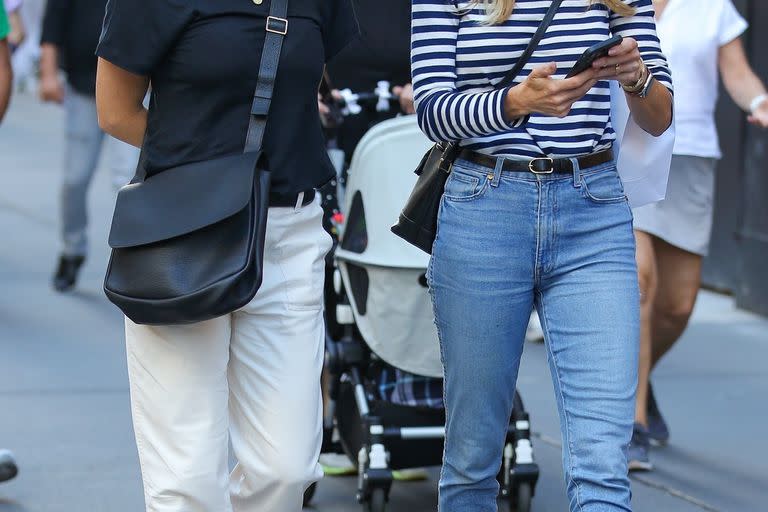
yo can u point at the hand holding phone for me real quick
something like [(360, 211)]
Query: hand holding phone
[(593, 53)]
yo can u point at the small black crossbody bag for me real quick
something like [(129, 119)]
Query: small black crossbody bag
[(188, 243), (417, 223)]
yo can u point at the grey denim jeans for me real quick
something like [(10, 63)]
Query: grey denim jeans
[(84, 141)]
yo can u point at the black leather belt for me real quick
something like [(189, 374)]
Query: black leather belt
[(284, 200), (544, 165)]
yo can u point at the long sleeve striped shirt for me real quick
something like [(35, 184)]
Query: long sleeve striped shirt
[(457, 61)]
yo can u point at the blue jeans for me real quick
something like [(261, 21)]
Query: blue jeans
[(509, 241)]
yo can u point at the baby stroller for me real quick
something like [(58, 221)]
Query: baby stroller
[(386, 316)]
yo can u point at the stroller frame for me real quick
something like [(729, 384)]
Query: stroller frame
[(348, 360)]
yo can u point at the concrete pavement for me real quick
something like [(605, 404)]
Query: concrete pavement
[(63, 386)]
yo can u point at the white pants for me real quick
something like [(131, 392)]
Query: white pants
[(252, 376)]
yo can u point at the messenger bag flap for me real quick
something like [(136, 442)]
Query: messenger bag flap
[(200, 193)]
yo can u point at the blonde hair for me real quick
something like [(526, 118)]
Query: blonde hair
[(499, 11)]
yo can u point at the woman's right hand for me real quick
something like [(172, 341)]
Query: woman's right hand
[(51, 89), (542, 94)]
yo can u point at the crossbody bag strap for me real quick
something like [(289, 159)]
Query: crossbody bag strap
[(277, 28), (509, 78)]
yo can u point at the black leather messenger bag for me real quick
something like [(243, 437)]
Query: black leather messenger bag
[(188, 242), (417, 223)]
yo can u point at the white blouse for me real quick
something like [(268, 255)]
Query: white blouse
[(692, 33)]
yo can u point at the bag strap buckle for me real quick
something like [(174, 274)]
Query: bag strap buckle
[(277, 25), (544, 165)]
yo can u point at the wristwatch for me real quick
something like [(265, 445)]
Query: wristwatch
[(643, 85), (757, 102)]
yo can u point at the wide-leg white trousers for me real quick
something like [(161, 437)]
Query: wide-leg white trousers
[(252, 377)]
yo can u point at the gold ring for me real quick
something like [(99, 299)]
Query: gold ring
[(618, 68)]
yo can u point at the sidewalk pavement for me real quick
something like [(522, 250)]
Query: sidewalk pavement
[(63, 386)]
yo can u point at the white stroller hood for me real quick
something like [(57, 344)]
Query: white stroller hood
[(384, 275), (382, 172)]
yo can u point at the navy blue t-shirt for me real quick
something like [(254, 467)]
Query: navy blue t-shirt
[(203, 56)]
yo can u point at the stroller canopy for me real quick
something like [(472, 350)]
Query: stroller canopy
[(384, 276), (380, 180)]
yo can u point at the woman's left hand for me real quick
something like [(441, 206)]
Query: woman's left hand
[(760, 116), (623, 63)]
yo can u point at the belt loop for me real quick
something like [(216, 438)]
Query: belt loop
[(497, 171), (576, 172), (299, 202)]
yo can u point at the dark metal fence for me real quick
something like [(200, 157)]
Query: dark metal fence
[(738, 260)]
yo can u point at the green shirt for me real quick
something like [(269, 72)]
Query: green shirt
[(5, 28)]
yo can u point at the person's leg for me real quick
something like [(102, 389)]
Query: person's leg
[(122, 161), (179, 393), (639, 447), (647, 275), (81, 154), (481, 280), (274, 375), (83, 146), (681, 225), (589, 301), (679, 281)]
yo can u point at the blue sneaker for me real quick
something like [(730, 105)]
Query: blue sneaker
[(8, 468), (658, 432), (637, 456)]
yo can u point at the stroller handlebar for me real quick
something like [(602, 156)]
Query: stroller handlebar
[(352, 103)]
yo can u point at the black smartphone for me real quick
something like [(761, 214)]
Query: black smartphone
[(592, 54)]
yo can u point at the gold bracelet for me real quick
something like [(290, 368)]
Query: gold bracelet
[(640, 84)]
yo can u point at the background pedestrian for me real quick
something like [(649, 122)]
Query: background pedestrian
[(71, 30), (6, 71), (673, 235), (18, 31), (380, 53), (8, 468)]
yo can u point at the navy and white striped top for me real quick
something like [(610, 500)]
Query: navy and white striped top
[(456, 62)]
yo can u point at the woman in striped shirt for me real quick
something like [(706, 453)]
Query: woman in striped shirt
[(534, 213)]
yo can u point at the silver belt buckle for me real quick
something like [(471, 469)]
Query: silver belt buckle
[(551, 165)]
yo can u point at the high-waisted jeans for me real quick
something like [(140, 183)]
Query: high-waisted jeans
[(564, 243)]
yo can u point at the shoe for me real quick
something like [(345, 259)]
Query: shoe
[(658, 432), (410, 475), (66, 273), (639, 447), (337, 464), (8, 468)]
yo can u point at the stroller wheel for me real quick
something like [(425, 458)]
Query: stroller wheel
[(309, 494), (377, 502), (523, 497)]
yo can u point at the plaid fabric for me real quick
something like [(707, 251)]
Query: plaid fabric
[(404, 388)]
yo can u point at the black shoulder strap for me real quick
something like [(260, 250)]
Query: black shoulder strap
[(509, 78), (277, 28)]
